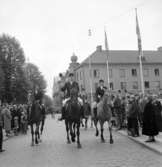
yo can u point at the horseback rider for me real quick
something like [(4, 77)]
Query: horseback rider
[(71, 84), (100, 90)]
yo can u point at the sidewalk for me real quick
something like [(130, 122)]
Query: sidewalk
[(155, 146)]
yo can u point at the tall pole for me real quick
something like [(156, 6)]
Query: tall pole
[(90, 70), (140, 52), (141, 72), (107, 60)]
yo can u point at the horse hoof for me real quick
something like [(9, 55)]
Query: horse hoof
[(68, 142), (73, 140), (97, 133), (79, 145), (111, 141), (102, 140), (32, 144)]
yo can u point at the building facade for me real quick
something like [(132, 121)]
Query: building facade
[(124, 70)]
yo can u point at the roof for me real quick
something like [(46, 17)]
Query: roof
[(123, 57)]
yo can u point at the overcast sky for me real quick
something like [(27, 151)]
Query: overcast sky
[(51, 30)]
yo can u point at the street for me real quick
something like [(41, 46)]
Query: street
[(54, 152)]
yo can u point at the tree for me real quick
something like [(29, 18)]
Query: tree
[(37, 83), (12, 60)]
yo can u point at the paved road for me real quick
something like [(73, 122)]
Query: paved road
[(54, 152)]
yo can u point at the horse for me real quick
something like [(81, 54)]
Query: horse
[(35, 118), (73, 116), (103, 115)]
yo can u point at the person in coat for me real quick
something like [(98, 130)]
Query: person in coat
[(1, 130), (7, 119), (100, 90), (133, 117), (149, 128)]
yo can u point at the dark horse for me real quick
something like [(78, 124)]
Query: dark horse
[(73, 116), (35, 118), (104, 114)]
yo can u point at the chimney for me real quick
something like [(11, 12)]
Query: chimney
[(99, 48)]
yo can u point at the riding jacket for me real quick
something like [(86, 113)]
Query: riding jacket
[(68, 87), (99, 93)]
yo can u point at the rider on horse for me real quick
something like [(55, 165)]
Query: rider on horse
[(100, 90), (67, 88)]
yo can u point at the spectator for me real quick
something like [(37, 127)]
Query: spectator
[(149, 128), (118, 111), (133, 117), (7, 119), (1, 130)]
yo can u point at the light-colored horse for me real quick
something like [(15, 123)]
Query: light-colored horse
[(104, 114)]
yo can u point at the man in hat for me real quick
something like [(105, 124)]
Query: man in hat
[(100, 90), (71, 84)]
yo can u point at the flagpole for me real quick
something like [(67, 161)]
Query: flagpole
[(140, 52), (90, 71), (141, 72), (107, 61)]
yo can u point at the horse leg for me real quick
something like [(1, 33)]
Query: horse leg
[(95, 123), (74, 130), (32, 133), (102, 130), (110, 131), (78, 136), (71, 132), (39, 135), (82, 122), (42, 126), (36, 134), (91, 122), (67, 131), (86, 120)]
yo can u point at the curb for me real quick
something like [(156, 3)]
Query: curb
[(146, 145)]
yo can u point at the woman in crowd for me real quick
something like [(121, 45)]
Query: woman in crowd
[(150, 128), (7, 119)]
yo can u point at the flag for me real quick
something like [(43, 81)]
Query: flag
[(138, 35), (106, 43)]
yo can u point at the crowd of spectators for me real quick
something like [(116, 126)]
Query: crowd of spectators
[(135, 112)]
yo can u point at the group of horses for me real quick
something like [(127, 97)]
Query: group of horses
[(73, 116)]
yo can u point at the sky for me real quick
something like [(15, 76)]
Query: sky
[(50, 31)]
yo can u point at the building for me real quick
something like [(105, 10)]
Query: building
[(124, 70)]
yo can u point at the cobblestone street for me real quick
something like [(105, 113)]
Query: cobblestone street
[(54, 152)]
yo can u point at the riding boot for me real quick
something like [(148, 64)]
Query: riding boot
[(82, 112), (62, 114)]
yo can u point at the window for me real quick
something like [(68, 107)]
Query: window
[(111, 86), (146, 72), (156, 72), (135, 85), (110, 73), (134, 72), (96, 73), (122, 73), (123, 85), (156, 84), (147, 84)]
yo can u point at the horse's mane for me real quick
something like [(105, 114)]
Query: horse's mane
[(106, 106)]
